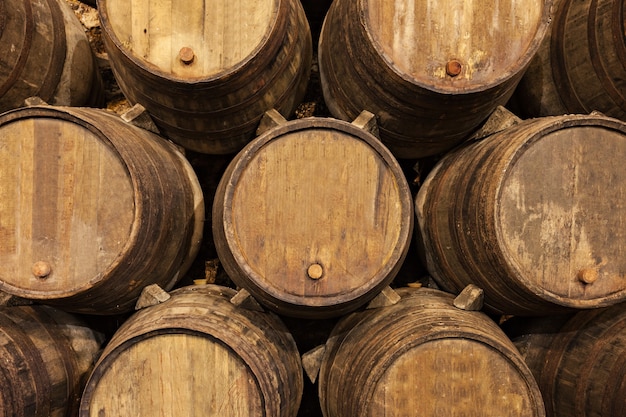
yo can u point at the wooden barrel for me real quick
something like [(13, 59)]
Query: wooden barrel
[(424, 357), (580, 66), (197, 354), (93, 209), (579, 364), (46, 357), (532, 214), (207, 71), (44, 52), (431, 71), (314, 217)]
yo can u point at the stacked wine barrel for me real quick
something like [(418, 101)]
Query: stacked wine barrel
[(313, 208)]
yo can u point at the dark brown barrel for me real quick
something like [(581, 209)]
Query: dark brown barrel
[(197, 354), (580, 66), (431, 71), (532, 214), (46, 357), (93, 209), (207, 71), (424, 357), (314, 217), (44, 52), (579, 363)]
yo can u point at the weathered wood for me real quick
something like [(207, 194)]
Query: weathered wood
[(46, 357), (270, 120), (471, 298), (431, 71), (138, 116), (581, 64), (312, 361), (195, 355), (44, 51), (577, 362), (387, 297), (532, 215), (244, 299), (150, 296), (367, 121), (313, 218), (93, 209), (424, 357), (208, 71)]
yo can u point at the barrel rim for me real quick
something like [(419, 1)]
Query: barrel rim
[(215, 78), (65, 114), (311, 301), (547, 125), (522, 62)]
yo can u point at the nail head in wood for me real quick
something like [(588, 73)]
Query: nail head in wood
[(470, 299), (587, 275), (41, 269), (186, 55)]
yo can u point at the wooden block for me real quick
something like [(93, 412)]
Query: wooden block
[(367, 121), (312, 361), (151, 295), (387, 297), (270, 119), (471, 298), (138, 116), (245, 300)]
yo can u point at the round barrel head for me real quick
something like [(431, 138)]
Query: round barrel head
[(67, 207), (316, 214), (560, 215), (195, 39), (174, 374), (452, 377), (451, 45)]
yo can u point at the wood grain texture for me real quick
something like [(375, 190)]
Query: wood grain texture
[(93, 209), (44, 52), (533, 215), (579, 362), (424, 357), (46, 357), (197, 354), (239, 60), (313, 218), (581, 64), (431, 71)]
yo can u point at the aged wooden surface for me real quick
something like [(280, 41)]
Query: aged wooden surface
[(430, 71), (93, 209), (580, 66), (424, 357), (44, 52), (577, 362), (46, 357), (534, 215), (197, 354), (314, 217), (208, 71)]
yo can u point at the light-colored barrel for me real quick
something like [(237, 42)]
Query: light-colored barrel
[(44, 52), (532, 214), (208, 70), (46, 356), (197, 355), (314, 217), (93, 209), (431, 71), (424, 357)]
